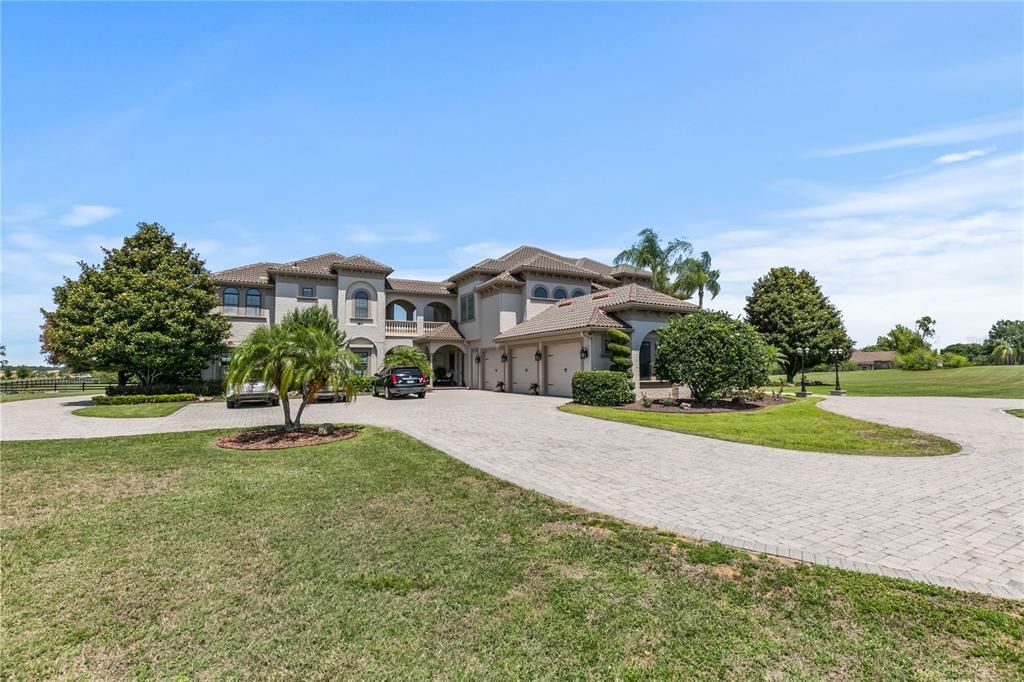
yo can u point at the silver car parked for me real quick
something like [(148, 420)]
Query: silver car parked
[(253, 392)]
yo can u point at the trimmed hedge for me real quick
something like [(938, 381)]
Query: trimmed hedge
[(137, 399), (362, 384), (602, 388), (207, 388)]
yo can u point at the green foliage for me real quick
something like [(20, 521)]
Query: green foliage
[(712, 553), (975, 352), (712, 353), (790, 311), (901, 339), (408, 356), (1003, 353), (23, 372), (954, 360), (917, 359), (602, 388), (695, 275), (648, 253), (139, 399), (1010, 333), (925, 327), (306, 352), (361, 384), (620, 351), (146, 310)]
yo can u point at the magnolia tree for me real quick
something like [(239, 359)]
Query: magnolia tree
[(712, 353), (304, 354)]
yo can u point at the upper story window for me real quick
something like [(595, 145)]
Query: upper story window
[(561, 294), (540, 292), (307, 292), (230, 297), (577, 293), (361, 303), (467, 307), (253, 301)]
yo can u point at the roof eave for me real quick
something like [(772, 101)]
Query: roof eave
[(558, 332)]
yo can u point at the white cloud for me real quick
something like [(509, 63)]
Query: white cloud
[(81, 215), (971, 131), (958, 157)]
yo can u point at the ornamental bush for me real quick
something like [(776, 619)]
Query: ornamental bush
[(917, 359), (712, 353), (362, 384), (954, 360), (138, 399), (620, 352), (604, 388)]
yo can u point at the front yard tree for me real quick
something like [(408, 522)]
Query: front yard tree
[(790, 311), (711, 353), (305, 353), (408, 356), (146, 311), (621, 355)]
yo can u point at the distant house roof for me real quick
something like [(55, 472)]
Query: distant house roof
[(419, 286), (864, 357), (594, 311)]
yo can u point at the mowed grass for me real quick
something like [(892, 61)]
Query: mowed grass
[(1016, 413), (162, 557), (130, 411), (1004, 381), (78, 392), (799, 425)]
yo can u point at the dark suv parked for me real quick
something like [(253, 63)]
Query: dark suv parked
[(396, 381)]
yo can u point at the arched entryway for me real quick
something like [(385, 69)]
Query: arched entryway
[(448, 362), (437, 312)]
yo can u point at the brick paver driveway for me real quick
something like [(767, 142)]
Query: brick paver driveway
[(953, 520)]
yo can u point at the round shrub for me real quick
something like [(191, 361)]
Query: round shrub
[(917, 359), (954, 360), (604, 388)]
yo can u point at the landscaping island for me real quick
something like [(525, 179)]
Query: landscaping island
[(165, 556)]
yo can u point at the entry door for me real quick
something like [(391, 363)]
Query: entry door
[(645, 360)]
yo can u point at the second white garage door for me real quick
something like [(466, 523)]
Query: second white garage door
[(563, 361), (491, 369), (524, 368)]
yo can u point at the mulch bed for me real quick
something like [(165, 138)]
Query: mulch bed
[(689, 407), (279, 439)]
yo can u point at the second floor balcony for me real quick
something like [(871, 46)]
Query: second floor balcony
[(253, 312), (409, 328)]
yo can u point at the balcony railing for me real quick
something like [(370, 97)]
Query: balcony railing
[(244, 311), (409, 327)]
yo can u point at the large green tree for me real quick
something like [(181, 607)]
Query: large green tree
[(695, 275), (662, 260), (711, 353), (790, 311), (901, 339), (146, 311), (1006, 333)]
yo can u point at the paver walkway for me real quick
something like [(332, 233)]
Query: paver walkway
[(956, 520)]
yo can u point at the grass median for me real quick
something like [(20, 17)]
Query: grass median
[(140, 410), (800, 425)]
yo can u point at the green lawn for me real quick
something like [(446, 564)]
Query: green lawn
[(77, 392), (163, 556), (967, 382), (130, 411), (1016, 413), (799, 425)]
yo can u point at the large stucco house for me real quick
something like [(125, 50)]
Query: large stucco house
[(529, 319)]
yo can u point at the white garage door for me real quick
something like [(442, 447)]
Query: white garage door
[(563, 361), (524, 368), (491, 368)]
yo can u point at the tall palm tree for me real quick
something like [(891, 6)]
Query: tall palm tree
[(648, 253), (1003, 353), (696, 275), (305, 352)]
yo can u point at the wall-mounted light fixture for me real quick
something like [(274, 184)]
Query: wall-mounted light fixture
[(584, 353), (477, 359), (538, 356), (504, 357)]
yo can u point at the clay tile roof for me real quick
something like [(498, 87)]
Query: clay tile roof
[(594, 311), (596, 266), (543, 262), (630, 270), (419, 286), (245, 274), (361, 263), (504, 279), (446, 332), (314, 265)]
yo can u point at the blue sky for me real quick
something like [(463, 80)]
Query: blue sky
[(878, 146)]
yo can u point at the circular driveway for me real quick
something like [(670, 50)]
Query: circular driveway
[(955, 520)]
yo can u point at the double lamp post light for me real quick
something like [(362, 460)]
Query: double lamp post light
[(836, 355)]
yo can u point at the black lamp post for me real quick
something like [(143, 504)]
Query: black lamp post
[(803, 374), (837, 355)]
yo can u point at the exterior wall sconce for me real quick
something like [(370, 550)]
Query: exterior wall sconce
[(538, 356), (477, 359), (584, 353), (504, 357)]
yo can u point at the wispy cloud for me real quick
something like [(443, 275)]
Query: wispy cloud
[(392, 234), (959, 157), (81, 215), (959, 133)]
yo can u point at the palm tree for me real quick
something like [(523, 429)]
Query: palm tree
[(305, 352), (1003, 353), (408, 356), (648, 253), (696, 275)]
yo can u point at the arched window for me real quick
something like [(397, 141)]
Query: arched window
[(253, 301), (540, 292), (577, 293), (560, 294), (230, 297), (361, 302)]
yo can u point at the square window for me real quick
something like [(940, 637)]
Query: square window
[(307, 292)]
